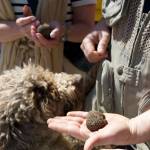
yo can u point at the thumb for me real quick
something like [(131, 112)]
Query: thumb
[(91, 142), (27, 11), (97, 138), (55, 33)]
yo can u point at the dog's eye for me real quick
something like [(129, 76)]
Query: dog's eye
[(68, 107)]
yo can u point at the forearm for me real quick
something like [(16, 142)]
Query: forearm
[(9, 31), (77, 32), (140, 127), (82, 23)]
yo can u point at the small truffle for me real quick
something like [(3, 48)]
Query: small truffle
[(45, 30), (95, 120)]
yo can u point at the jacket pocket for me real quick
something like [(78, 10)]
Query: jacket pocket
[(104, 88)]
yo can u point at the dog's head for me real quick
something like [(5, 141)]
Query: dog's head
[(39, 92), (30, 95), (56, 94)]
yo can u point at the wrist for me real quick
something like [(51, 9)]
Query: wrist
[(22, 31), (133, 131), (140, 128)]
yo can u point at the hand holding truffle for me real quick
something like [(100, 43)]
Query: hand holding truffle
[(24, 23), (106, 129), (48, 34), (45, 30)]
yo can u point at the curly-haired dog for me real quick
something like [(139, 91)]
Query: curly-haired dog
[(28, 97)]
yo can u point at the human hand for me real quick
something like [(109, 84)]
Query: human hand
[(73, 124), (99, 37), (56, 34), (25, 22), (116, 132)]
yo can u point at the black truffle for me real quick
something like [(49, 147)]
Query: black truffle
[(95, 120), (45, 30)]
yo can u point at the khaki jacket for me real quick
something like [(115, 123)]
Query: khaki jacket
[(123, 85)]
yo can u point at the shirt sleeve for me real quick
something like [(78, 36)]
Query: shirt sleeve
[(76, 3)]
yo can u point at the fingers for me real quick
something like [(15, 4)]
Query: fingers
[(26, 30), (100, 37), (57, 31), (46, 43), (41, 41), (111, 133), (38, 38), (85, 132), (70, 118), (27, 11), (64, 126), (25, 20), (81, 114), (93, 53), (33, 34), (91, 142), (55, 34), (104, 39), (97, 138), (88, 47)]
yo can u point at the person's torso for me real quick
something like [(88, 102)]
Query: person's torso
[(18, 7), (131, 59)]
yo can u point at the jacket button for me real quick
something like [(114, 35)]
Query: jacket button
[(120, 70)]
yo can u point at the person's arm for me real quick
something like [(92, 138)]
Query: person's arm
[(10, 30), (83, 22), (140, 127), (118, 131)]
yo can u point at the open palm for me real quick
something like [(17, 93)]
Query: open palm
[(116, 132)]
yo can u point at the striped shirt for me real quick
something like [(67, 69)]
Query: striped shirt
[(18, 5)]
